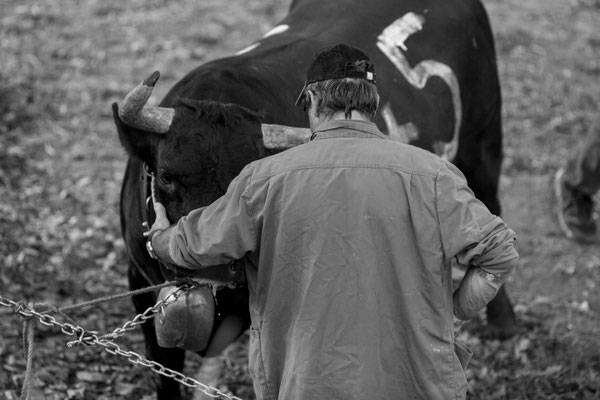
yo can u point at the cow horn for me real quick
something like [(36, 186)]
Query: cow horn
[(151, 119), (284, 137)]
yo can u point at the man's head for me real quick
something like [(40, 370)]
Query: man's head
[(340, 79)]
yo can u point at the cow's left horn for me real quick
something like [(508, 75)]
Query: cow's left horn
[(151, 119), (284, 137)]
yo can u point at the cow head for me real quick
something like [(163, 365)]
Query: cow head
[(193, 149)]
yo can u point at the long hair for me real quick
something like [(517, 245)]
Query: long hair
[(346, 94)]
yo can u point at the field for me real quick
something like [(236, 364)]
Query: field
[(63, 63)]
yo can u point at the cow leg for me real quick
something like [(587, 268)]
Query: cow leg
[(226, 333), (229, 329), (166, 388), (232, 321), (502, 323)]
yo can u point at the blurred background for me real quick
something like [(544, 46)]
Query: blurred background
[(63, 63)]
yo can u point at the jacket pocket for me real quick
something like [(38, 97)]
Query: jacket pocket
[(463, 352)]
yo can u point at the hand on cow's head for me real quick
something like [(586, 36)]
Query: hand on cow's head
[(195, 146), (161, 220)]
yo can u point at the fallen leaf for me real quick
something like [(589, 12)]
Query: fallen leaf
[(91, 376)]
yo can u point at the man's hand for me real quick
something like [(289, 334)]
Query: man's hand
[(162, 221), (476, 289)]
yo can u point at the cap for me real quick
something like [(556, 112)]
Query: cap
[(337, 62)]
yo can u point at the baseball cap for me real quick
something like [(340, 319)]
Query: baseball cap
[(337, 62)]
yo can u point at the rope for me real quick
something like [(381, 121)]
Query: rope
[(29, 325), (114, 297), (28, 334)]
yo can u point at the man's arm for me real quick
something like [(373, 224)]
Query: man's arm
[(217, 234), (490, 263), (477, 239)]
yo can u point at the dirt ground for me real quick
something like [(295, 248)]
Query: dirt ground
[(63, 63)]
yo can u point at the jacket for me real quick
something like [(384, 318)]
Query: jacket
[(349, 241)]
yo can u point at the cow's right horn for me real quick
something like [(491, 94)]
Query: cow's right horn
[(151, 119), (284, 137)]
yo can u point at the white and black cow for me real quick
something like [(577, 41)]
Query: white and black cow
[(438, 82)]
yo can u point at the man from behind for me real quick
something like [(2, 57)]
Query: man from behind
[(348, 241)]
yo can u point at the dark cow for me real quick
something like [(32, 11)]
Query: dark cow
[(438, 82)]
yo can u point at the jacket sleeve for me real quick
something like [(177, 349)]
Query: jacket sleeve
[(217, 234), (475, 238)]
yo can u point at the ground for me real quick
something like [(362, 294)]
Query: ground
[(63, 63)]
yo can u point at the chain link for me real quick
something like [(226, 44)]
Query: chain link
[(90, 338), (140, 318), (151, 311)]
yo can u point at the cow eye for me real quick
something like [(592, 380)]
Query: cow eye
[(166, 179)]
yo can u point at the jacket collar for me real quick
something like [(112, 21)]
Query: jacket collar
[(349, 128)]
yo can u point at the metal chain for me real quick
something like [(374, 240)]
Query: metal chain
[(89, 339), (148, 314)]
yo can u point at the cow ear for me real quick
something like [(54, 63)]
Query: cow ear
[(137, 143)]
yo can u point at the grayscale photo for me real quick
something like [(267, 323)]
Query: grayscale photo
[(299, 200)]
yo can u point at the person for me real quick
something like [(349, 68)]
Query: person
[(575, 184), (348, 241)]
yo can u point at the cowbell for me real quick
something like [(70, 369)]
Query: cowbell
[(186, 323)]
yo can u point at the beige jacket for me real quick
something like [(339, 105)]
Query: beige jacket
[(349, 240)]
